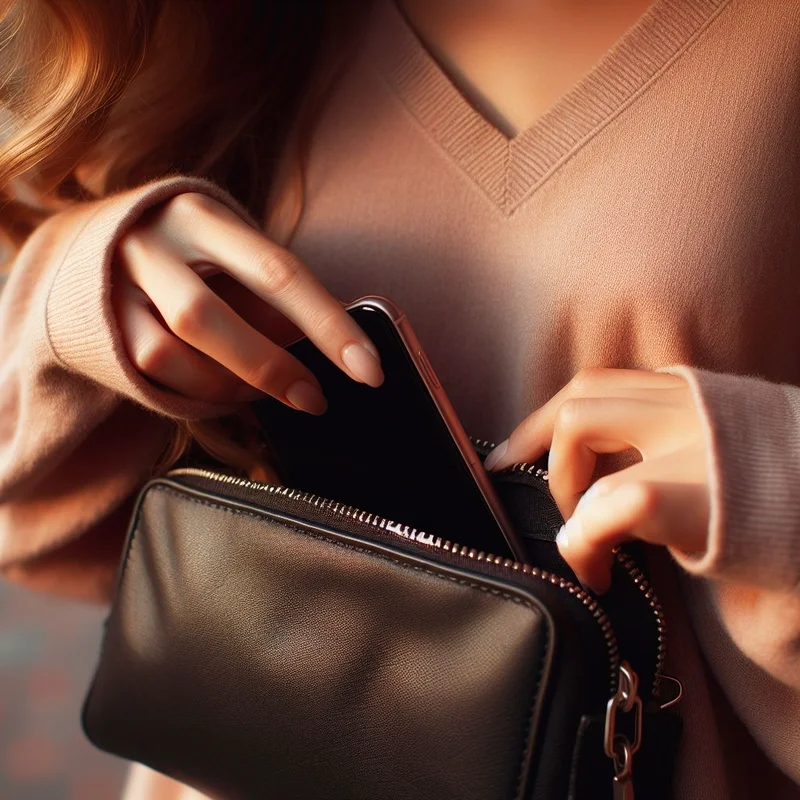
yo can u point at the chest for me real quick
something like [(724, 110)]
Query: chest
[(664, 231), (515, 60)]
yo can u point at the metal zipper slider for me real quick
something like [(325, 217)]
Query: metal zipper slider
[(617, 746)]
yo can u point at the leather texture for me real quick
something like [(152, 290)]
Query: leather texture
[(254, 656)]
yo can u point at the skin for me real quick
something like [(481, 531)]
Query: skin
[(204, 302), (663, 500), (515, 58)]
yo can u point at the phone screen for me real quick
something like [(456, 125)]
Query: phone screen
[(384, 450)]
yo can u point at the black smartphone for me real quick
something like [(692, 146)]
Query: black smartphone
[(398, 450)]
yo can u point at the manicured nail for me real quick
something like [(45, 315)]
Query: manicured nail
[(562, 539), (374, 350), (570, 532), (363, 364), (306, 397), (494, 458)]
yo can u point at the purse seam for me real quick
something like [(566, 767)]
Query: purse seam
[(133, 530), (536, 694), (526, 740)]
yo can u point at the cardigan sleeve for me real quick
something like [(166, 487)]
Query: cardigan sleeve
[(80, 427), (752, 429)]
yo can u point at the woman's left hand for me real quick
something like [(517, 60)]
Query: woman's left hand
[(663, 500)]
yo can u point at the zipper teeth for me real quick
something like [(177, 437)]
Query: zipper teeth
[(528, 469), (426, 539), (624, 559), (644, 586)]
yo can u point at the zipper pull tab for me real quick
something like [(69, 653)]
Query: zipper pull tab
[(623, 767), (617, 745)]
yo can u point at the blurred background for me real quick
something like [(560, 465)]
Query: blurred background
[(48, 648)]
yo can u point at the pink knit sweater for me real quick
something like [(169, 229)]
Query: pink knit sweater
[(649, 220)]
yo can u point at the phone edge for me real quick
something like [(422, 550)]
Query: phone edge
[(448, 413)]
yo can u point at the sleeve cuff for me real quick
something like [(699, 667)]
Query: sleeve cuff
[(81, 325), (752, 430)]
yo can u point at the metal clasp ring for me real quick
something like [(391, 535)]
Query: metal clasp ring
[(624, 701)]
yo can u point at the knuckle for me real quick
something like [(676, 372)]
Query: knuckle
[(643, 497), (327, 324), (152, 356), (570, 414), (277, 271), (189, 318), (264, 376), (132, 245), (586, 379), (188, 205)]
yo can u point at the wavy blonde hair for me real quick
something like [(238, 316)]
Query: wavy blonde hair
[(101, 95)]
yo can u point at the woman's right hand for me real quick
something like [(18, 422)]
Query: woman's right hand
[(185, 336)]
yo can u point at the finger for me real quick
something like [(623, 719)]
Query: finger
[(198, 317), (586, 426), (282, 280), (532, 437), (268, 321), (667, 513), (167, 360)]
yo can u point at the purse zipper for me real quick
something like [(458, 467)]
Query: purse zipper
[(429, 540), (624, 559), (623, 692)]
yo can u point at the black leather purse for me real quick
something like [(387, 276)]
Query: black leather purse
[(268, 643)]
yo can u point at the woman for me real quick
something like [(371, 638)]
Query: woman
[(589, 211)]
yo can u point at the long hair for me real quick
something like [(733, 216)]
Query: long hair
[(102, 95)]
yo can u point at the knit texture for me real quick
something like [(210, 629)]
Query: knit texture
[(80, 320), (508, 170), (648, 220)]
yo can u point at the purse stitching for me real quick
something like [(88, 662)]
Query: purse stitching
[(529, 725), (348, 546)]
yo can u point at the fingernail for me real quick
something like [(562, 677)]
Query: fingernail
[(363, 365), (493, 459), (570, 531), (562, 539), (374, 350), (306, 397)]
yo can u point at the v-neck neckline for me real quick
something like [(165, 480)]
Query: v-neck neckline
[(510, 169)]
